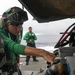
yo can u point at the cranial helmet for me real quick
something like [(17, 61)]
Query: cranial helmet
[(15, 15)]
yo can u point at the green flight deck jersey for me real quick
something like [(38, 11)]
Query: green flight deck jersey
[(30, 37), (12, 45)]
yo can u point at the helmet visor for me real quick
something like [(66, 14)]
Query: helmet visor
[(17, 18), (15, 15)]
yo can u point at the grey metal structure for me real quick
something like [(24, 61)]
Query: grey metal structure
[(50, 10)]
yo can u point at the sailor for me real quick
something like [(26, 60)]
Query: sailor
[(11, 32), (30, 38)]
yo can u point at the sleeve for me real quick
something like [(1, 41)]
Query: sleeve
[(12, 46), (26, 37), (35, 38)]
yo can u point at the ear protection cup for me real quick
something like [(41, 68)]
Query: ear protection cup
[(1, 23)]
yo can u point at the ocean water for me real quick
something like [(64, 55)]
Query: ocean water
[(46, 42)]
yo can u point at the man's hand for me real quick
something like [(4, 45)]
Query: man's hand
[(49, 56), (31, 37)]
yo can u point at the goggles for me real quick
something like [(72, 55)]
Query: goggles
[(16, 24), (15, 15)]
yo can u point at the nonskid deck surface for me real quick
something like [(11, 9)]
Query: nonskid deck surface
[(33, 66)]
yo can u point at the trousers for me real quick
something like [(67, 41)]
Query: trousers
[(28, 57)]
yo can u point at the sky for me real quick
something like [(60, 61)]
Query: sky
[(50, 28)]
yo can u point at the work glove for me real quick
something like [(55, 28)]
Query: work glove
[(31, 37)]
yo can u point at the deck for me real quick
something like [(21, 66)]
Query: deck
[(33, 67)]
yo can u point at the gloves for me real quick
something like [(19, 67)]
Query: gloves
[(31, 37)]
